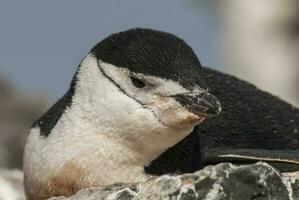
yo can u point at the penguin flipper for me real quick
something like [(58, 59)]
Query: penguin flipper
[(283, 160)]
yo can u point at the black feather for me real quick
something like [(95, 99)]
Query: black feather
[(251, 119)]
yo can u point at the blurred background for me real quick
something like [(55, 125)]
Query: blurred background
[(42, 43)]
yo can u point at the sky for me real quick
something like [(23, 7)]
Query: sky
[(43, 42)]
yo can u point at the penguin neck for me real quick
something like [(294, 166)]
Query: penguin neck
[(119, 126)]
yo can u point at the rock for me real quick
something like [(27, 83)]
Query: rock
[(17, 114), (224, 181), (11, 185)]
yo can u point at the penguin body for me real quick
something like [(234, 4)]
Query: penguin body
[(118, 115)]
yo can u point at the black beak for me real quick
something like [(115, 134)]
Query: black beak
[(200, 104)]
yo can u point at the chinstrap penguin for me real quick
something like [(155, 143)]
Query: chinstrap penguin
[(136, 94), (96, 134)]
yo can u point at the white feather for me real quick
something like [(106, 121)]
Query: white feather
[(106, 136)]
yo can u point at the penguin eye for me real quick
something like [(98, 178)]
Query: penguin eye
[(137, 82)]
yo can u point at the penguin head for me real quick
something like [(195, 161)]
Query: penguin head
[(160, 72), (142, 87)]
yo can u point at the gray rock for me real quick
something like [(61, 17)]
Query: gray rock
[(224, 181)]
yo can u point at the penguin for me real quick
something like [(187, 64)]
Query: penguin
[(135, 94), (141, 104)]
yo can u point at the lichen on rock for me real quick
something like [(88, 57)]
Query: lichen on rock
[(223, 181)]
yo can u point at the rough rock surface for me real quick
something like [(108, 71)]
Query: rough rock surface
[(224, 181), (17, 113), (11, 185)]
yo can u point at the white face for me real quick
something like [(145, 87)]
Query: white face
[(140, 112), (153, 94)]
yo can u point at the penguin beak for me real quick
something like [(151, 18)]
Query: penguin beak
[(201, 104)]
